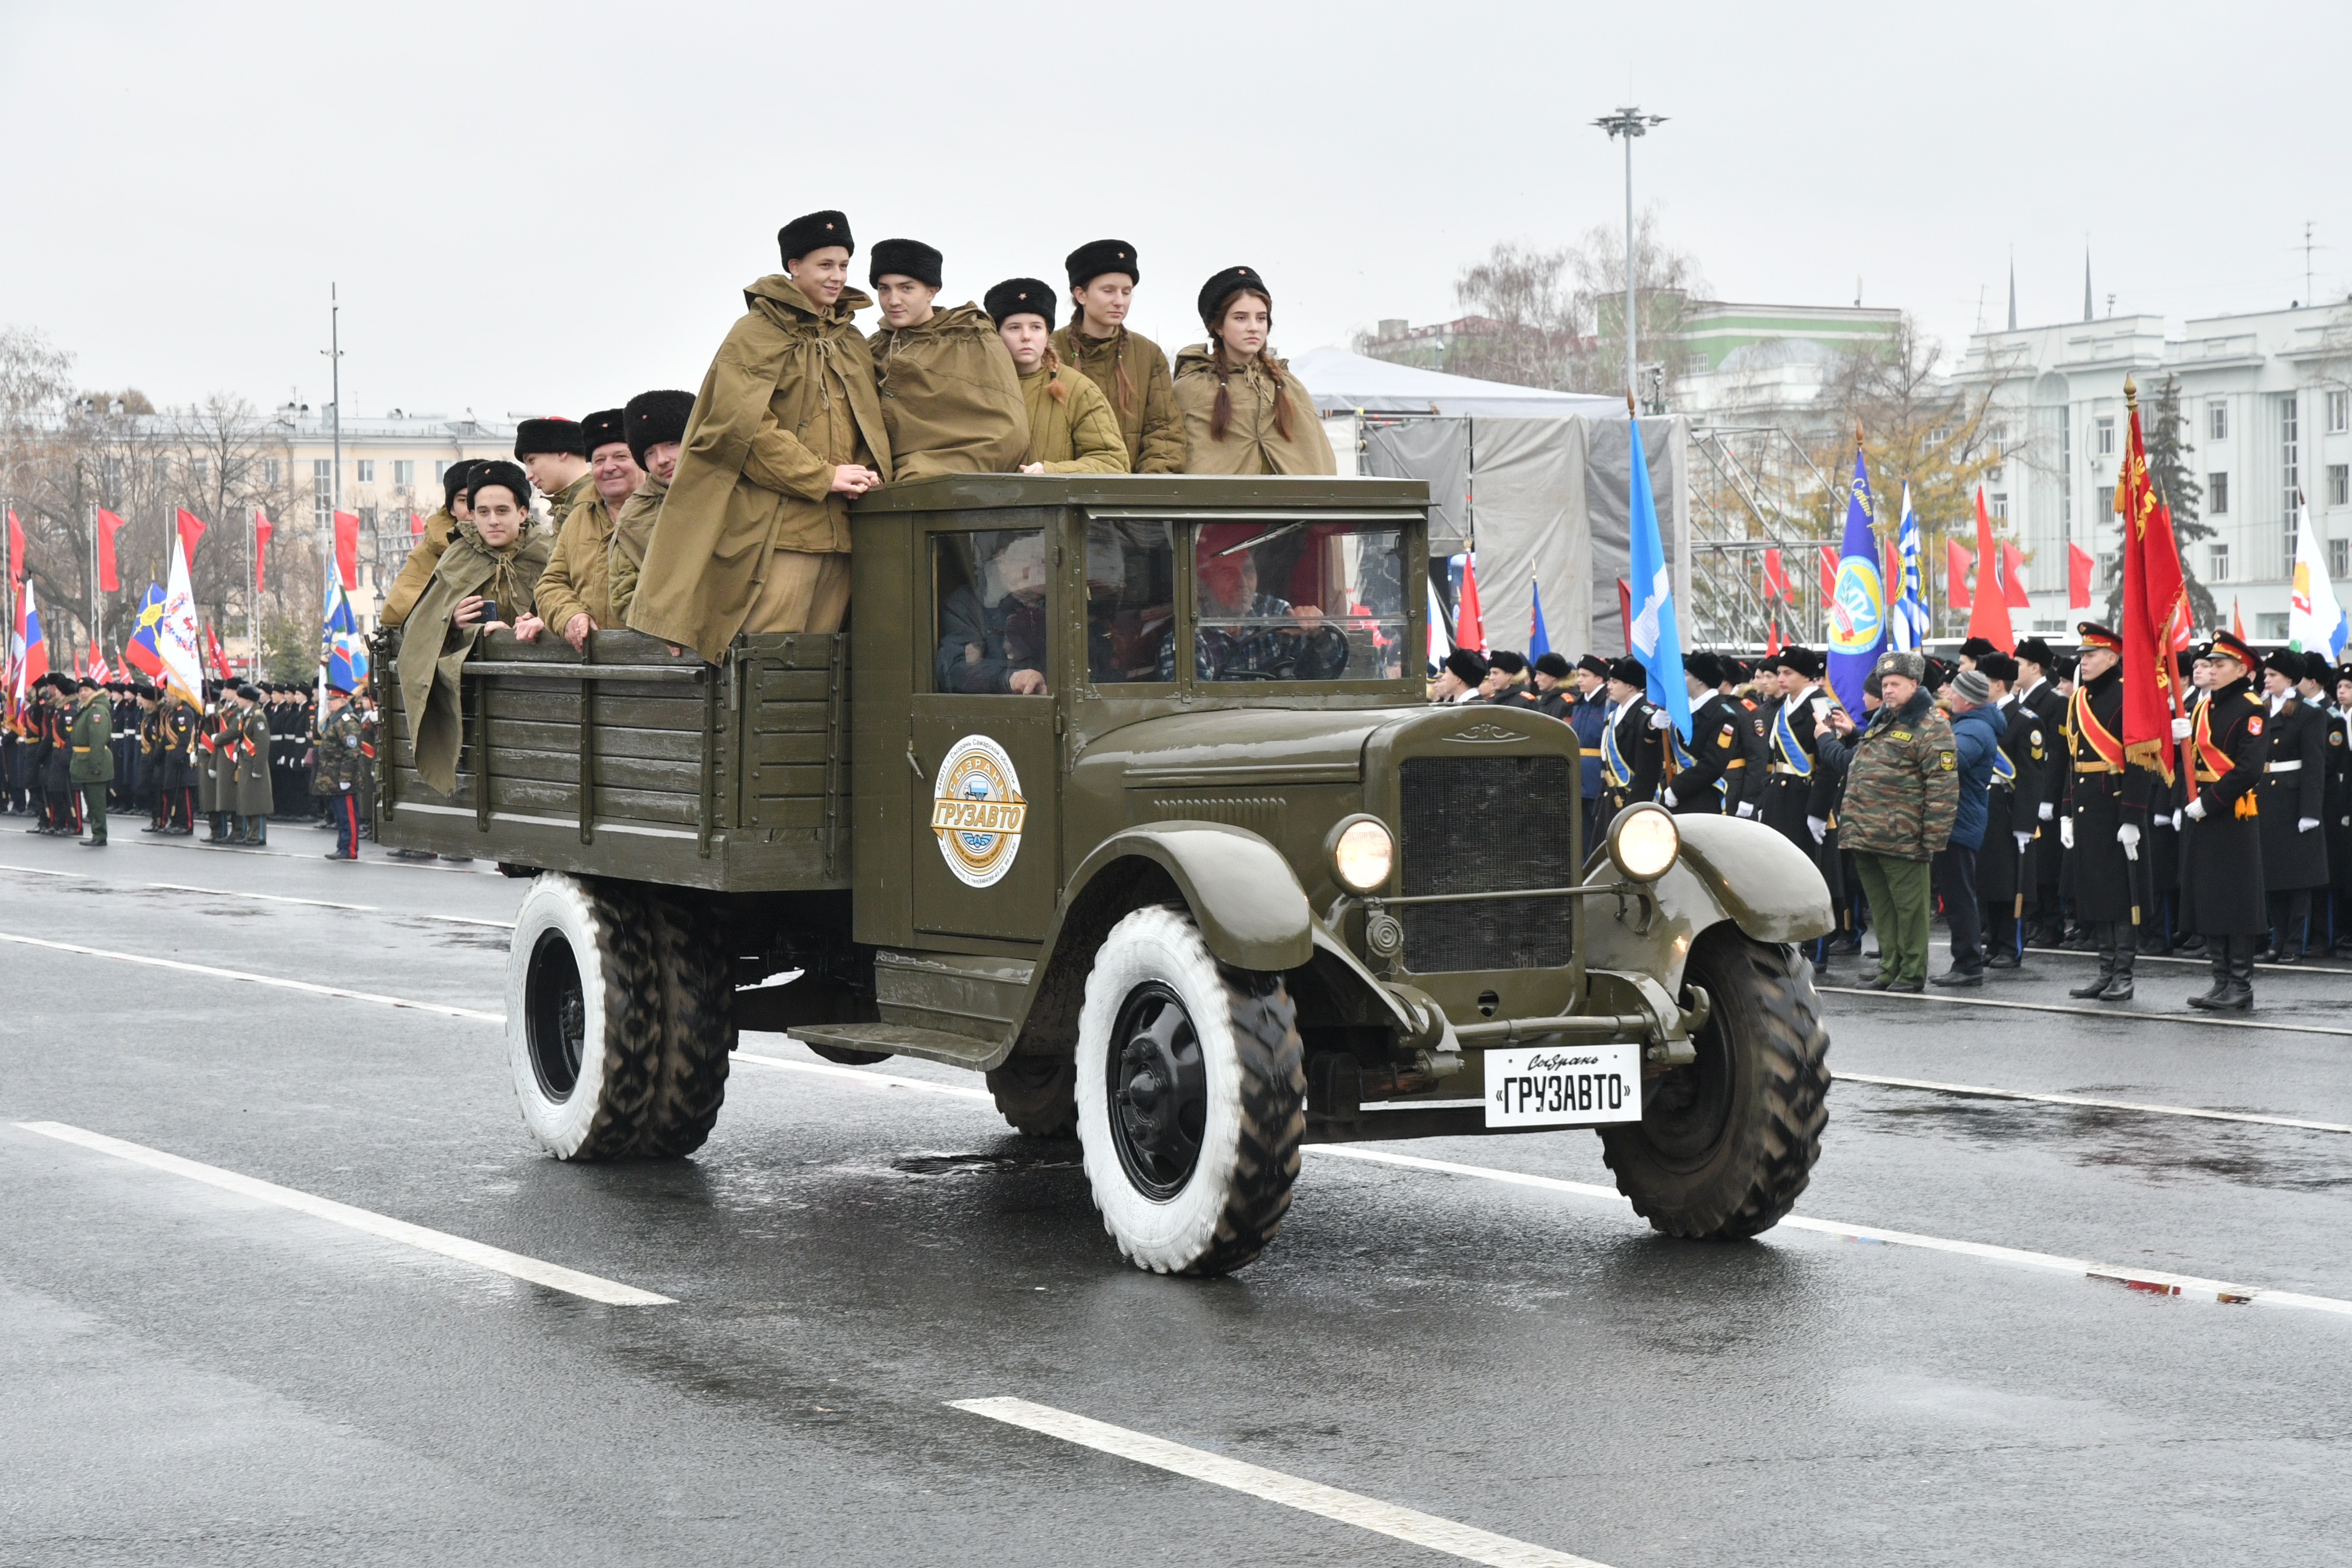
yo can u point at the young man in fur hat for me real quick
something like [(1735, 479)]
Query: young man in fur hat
[(1458, 680), (426, 553), (553, 452), (654, 423), (753, 535), (1130, 370), (574, 594), (951, 396), (1632, 743), (1710, 769)]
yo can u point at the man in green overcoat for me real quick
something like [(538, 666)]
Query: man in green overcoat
[(92, 766), (245, 769)]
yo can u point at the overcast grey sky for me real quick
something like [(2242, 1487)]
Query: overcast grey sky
[(550, 208)]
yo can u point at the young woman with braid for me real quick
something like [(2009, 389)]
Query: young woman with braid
[(1244, 412)]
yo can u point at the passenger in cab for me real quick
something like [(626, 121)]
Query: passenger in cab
[(575, 591), (1071, 428), (992, 621), (655, 424), (1243, 412), (753, 535), (426, 553), (1128, 369), (485, 582), (1245, 634), (950, 394)]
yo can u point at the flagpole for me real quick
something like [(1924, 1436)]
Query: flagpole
[(97, 637)]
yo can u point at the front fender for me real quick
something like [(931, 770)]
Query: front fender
[(1247, 901), (1766, 884)]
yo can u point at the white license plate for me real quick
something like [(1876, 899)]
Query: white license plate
[(1564, 1086)]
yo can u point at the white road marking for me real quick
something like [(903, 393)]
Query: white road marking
[(2160, 1281), (1978, 1089), (268, 898), (1463, 1540), (315, 990), (2200, 1019), (866, 1078), (537, 1272)]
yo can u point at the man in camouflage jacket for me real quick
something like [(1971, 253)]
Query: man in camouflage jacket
[(1902, 792)]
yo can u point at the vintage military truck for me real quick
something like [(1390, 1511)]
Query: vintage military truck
[(1123, 791)]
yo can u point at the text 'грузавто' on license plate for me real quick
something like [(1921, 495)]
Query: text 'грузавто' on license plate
[(1564, 1086)]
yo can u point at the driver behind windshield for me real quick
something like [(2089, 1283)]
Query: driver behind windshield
[(999, 647), (1266, 636)]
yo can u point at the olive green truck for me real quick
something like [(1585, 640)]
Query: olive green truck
[(1122, 791)]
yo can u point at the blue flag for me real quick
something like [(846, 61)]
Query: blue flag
[(1857, 609), (1908, 623), (342, 655), (1658, 639), (1539, 639)]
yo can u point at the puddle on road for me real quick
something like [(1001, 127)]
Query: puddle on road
[(988, 1164)]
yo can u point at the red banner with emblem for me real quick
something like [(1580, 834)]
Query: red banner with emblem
[(2155, 609)]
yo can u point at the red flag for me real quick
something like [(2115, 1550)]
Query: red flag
[(191, 530), (2155, 609), (16, 548), (347, 549), (1990, 617), (2237, 626), (1469, 626), (1892, 572), (261, 533), (107, 523), (2079, 563), (1957, 564), (1829, 575), (1625, 614), (1776, 579), (213, 651), (415, 523), (2012, 578), (1771, 639)]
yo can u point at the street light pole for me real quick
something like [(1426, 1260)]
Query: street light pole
[(1629, 122)]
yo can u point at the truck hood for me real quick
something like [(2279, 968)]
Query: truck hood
[(1291, 745)]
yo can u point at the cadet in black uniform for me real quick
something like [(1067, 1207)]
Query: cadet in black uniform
[(2103, 822), (2293, 789), (2337, 805), (2035, 662), (2221, 860), (2012, 813), (1632, 749), (1713, 764)]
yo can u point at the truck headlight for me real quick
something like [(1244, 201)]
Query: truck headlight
[(1644, 842), (1363, 854)]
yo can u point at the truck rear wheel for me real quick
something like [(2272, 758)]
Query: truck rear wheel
[(694, 1009), (1038, 1095), (1725, 1144), (1192, 1096), (583, 1024)]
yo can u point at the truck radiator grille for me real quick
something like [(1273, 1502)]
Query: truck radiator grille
[(1474, 825)]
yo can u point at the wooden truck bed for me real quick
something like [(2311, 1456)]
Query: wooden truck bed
[(732, 777)]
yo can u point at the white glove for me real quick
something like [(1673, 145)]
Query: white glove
[(2046, 814), (1819, 826), (2305, 823), (2022, 840), (2180, 729), (2196, 809), (1660, 718), (2176, 822), (1746, 808), (2128, 837), (2066, 831), (1668, 795)]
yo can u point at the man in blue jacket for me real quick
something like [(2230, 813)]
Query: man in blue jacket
[(1977, 731), (1588, 715)]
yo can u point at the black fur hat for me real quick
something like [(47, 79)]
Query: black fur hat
[(1554, 665), (601, 428), (453, 480), (1803, 660), (2037, 650), (1508, 661), (1096, 256), (1593, 664), (1223, 284), (1468, 664), (654, 417), (1998, 667), (1020, 297), (1976, 648), (1630, 671), (1704, 666), (553, 433), (814, 231), (495, 471), (907, 258)]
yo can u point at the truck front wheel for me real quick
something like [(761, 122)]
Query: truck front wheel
[(1725, 1144), (1192, 1090), (584, 1028)]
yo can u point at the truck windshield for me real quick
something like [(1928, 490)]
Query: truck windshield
[(1296, 600)]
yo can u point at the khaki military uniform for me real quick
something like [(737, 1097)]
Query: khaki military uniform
[(1132, 375)]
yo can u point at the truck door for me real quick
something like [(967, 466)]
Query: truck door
[(987, 845)]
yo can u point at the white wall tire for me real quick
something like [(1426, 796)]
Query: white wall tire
[(1192, 1091), (581, 1033)]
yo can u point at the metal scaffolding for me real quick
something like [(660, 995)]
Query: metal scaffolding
[(1757, 491)]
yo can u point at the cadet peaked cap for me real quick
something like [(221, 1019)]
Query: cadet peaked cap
[(1801, 660), (1630, 671), (497, 472), (1223, 284), (2227, 644), (1998, 667), (553, 433), (601, 428), (1703, 667), (653, 417), (2096, 635), (1096, 256), (454, 478), (1019, 297), (1467, 664), (1977, 648), (1905, 662), (1593, 664), (1509, 662), (2036, 650), (1554, 665), (814, 231), (904, 259)]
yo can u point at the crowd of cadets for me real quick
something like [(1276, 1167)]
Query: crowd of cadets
[(1998, 789), (80, 750), (694, 517)]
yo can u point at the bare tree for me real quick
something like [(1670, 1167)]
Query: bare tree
[(1560, 314)]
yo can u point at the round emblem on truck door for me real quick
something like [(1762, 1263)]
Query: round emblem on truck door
[(977, 811)]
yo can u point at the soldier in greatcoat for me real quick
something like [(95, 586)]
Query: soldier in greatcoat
[(246, 787), (343, 749), (2012, 813), (2221, 855), (2102, 820)]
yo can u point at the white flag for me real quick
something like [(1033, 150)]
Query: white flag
[(177, 632), (2314, 620)]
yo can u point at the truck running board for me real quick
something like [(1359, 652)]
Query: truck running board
[(905, 1041)]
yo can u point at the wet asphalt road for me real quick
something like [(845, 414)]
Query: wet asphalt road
[(194, 1376)]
